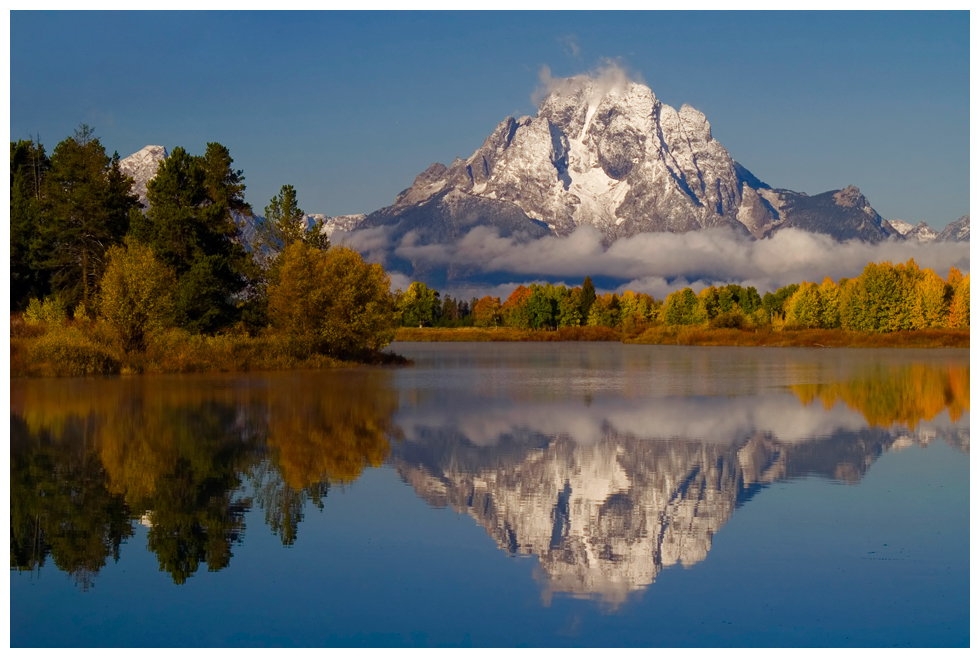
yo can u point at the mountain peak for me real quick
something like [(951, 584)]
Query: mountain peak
[(142, 166)]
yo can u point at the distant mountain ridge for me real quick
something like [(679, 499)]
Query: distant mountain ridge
[(601, 152)]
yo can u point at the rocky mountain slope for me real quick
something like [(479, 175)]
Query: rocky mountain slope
[(142, 167), (958, 231), (921, 231), (616, 158)]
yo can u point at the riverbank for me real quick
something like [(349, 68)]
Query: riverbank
[(687, 335), (85, 348)]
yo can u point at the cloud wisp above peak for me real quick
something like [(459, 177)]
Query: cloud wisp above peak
[(610, 76)]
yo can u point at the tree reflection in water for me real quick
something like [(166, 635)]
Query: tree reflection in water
[(897, 395), (603, 513), (89, 458)]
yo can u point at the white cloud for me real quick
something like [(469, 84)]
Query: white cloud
[(658, 263), (609, 77)]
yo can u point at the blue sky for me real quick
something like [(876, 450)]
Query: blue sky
[(349, 107)]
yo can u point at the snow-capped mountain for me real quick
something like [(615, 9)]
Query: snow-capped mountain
[(330, 224), (958, 231), (612, 156), (142, 166), (921, 231)]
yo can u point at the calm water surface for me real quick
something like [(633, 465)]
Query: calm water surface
[(501, 494)]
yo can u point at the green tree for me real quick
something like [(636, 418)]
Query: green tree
[(541, 307), (587, 298), (222, 183), (679, 307), (190, 227), (773, 303), (418, 305), (285, 223), (86, 210), (28, 276), (880, 297), (570, 308), (749, 300)]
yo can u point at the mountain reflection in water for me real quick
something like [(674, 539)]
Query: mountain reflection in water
[(605, 490), (608, 492)]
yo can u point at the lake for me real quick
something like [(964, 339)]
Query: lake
[(500, 494)]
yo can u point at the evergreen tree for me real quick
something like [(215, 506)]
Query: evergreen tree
[(190, 227), (28, 277), (86, 210), (285, 223), (223, 184), (283, 220), (587, 297)]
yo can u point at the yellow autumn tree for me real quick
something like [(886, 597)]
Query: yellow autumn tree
[(829, 304), (332, 302), (804, 309), (928, 305), (959, 305), (136, 294)]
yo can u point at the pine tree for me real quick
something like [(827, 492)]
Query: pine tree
[(587, 298), (28, 276), (86, 210), (190, 227)]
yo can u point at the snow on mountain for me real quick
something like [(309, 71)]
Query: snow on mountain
[(613, 156), (142, 166), (921, 231), (330, 224), (958, 231)]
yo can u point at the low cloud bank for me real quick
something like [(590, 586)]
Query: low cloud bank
[(655, 263)]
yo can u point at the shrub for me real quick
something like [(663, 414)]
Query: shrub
[(729, 320), (68, 351), (51, 311)]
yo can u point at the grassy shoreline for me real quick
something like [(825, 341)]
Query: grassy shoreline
[(87, 348), (686, 335), (79, 349)]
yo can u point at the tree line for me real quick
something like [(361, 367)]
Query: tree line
[(83, 246), (884, 298)]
